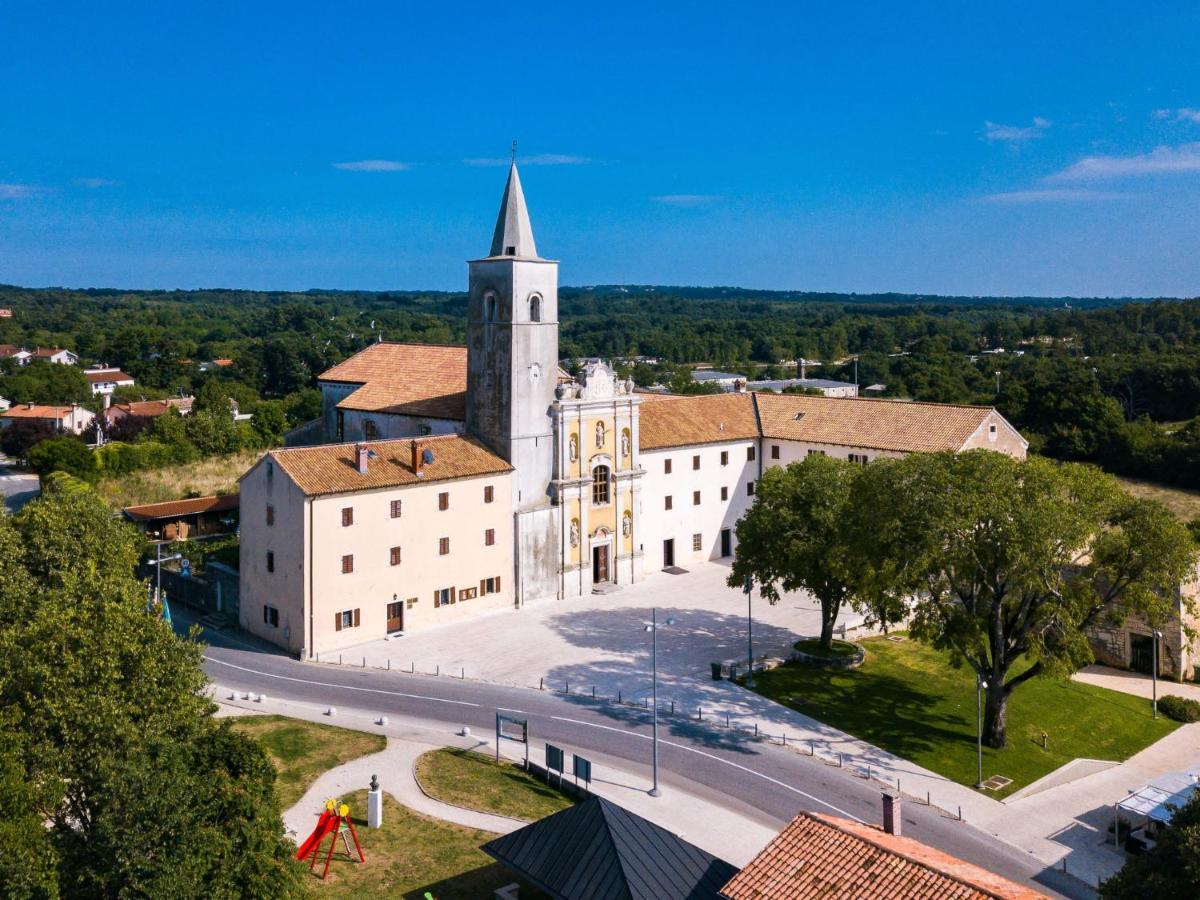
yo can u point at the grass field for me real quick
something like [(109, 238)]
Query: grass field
[(301, 751), (907, 699), (412, 854), (218, 474), (479, 782), (1184, 503)]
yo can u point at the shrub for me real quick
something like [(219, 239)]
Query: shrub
[(1181, 709)]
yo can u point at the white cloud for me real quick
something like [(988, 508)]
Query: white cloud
[(538, 159), (1054, 195), (373, 165), (686, 199), (18, 191), (993, 131), (96, 182), (1183, 114), (1159, 161)]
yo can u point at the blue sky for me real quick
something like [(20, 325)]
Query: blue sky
[(1032, 148)]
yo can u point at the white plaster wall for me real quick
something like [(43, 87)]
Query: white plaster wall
[(374, 581), (685, 519)]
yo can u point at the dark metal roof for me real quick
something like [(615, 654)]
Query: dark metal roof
[(597, 850)]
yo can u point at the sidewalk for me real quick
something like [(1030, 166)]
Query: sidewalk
[(729, 835), (1136, 683)]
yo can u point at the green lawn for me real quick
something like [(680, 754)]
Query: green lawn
[(812, 646), (412, 854), (907, 699), (301, 751), (479, 782)]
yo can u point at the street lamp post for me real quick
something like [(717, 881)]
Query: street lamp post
[(158, 564), (653, 629), (747, 587), (980, 687), (1157, 636)]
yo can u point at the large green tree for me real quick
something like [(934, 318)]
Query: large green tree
[(142, 792), (1008, 563), (795, 536)]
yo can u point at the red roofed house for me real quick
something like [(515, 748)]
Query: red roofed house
[(56, 355), (105, 380), (73, 419), (148, 409), (822, 856)]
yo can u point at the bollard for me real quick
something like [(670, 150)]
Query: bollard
[(927, 803), (332, 711), (784, 738), (839, 760), (593, 692), (756, 729), (645, 703), (618, 698), (364, 662), (438, 670), (898, 791), (463, 676), (262, 697), (812, 748), (389, 663), (960, 814), (339, 659), (318, 656), (413, 670), (699, 714), (382, 720), (233, 695), (868, 771), (245, 696), (566, 687), (672, 707), (726, 720), (541, 684)]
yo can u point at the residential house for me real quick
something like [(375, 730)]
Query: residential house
[(55, 355), (148, 409), (105, 380), (72, 419)]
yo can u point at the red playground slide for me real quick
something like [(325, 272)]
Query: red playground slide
[(325, 824)]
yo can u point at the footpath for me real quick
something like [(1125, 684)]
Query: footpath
[(738, 839)]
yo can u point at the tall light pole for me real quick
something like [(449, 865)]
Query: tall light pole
[(748, 586), (653, 629), (157, 562), (1157, 636), (980, 687)]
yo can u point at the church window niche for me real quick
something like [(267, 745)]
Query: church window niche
[(489, 307), (535, 308), (600, 435), (600, 486)]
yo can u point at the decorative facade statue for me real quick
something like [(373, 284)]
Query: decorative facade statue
[(624, 443), (599, 435), (574, 532), (626, 523), (573, 448)]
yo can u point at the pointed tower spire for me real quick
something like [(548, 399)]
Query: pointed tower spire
[(513, 235)]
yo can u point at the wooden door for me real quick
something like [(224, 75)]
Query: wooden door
[(599, 564), (668, 553), (395, 616)]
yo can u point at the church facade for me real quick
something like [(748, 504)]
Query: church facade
[(458, 479)]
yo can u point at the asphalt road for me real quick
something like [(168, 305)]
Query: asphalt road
[(765, 782), (17, 486)]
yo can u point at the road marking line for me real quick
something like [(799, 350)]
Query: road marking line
[(346, 687), (645, 737)]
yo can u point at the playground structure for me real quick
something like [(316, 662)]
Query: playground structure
[(334, 823)]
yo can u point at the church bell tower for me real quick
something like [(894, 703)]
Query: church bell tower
[(512, 368)]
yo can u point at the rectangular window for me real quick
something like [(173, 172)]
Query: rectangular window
[(396, 507), (860, 458), (667, 502), (490, 585), (774, 451), (395, 556), (347, 618), (666, 467), (488, 493), (410, 602), (443, 500), (370, 431), (697, 542), (424, 430), (270, 616), (749, 454), (347, 516), (270, 470), (750, 488), (724, 457), (489, 537), (816, 453), (695, 498), (347, 563), (725, 493), (468, 593), (270, 560), (696, 461), (443, 597), (443, 546), (270, 515)]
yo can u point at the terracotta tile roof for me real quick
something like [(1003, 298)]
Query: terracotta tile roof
[(7, 350), (413, 379), (330, 468), (149, 408), (897, 425), (111, 375), (820, 856), (223, 361), (679, 421), (47, 352), (26, 411), (191, 506)]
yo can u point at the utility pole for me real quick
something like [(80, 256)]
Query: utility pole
[(980, 687), (749, 585)]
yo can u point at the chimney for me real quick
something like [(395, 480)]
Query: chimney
[(891, 813), (360, 456), (416, 458), (29, 405), (739, 386)]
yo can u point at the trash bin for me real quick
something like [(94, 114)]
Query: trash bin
[(716, 671)]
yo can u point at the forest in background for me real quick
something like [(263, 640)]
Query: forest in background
[(1110, 381)]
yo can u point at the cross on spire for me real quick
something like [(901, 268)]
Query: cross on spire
[(514, 153)]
